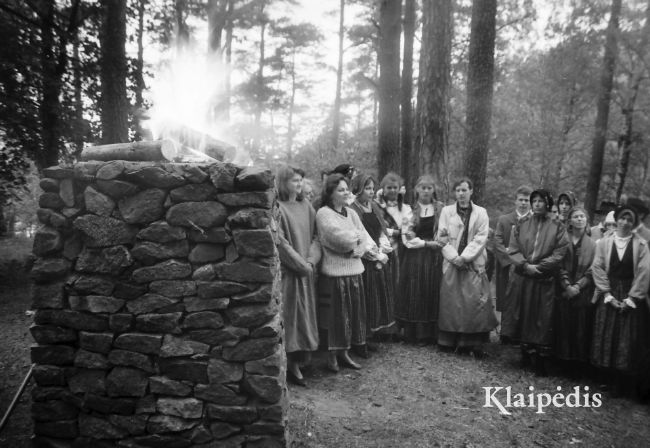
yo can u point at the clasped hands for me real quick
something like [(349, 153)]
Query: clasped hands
[(621, 305)]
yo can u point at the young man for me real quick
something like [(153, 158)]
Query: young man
[(505, 224)]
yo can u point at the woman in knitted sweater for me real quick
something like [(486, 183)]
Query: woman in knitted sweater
[(343, 242)]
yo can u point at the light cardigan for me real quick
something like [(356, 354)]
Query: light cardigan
[(339, 235)]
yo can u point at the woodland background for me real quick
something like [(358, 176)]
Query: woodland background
[(446, 87)]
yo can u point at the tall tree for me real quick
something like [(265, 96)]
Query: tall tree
[(410, 13), (259, 79), (480, 80), (434, 83), (114, 103), (138, 70), (336, 111), (602, 112), (217, 22), (388, 157)]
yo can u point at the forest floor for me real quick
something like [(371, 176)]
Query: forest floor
[(405, 396)]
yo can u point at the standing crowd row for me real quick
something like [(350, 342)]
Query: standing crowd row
[(360, 265)]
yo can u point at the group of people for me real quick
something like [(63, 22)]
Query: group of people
[(359, 265)]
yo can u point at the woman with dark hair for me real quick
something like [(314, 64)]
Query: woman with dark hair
[(299, 253), (416, 309), (621, 272), (344, 241), (395, 213), (466, 315), (565, 202), (573, 310), (377, 279), (537, 247)]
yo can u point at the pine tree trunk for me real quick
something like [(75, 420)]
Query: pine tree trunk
[(480, 80), (292, 102), (602, 114), (388, 157), (139, 72), (336, 112), (50, 105), (260, 85), (78, 102), (114, 103), (434, 84), (407, 89), (182, 31), (228, 50)]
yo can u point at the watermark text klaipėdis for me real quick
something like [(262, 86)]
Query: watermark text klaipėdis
[(503, 398)]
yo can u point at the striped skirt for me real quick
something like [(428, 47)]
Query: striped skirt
[(342, 311), (378, 286)]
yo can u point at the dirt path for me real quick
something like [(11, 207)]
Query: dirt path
[(405, 396)]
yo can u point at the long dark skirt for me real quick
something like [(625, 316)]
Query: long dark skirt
[(530, 305), (380, 305), (573, 326), (416, 308), (501, 281), (342, 311), (620, 339), (393, 267)]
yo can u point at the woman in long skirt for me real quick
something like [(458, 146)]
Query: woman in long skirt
[(416, 309), (466, 314), (621, 273), (537, 248), (344, 241), (377, 278), (573, 309), (299, 253)]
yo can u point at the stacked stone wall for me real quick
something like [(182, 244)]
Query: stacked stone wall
[(157, 307)]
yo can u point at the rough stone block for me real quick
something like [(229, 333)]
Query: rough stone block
[(204, 273), (72, 247), (193, 304), (205, 253), (51, 334), (40, 393), (232, 414), (220, 371), (88, 381), (110, 170), (173, 288), (51, 200), (251, 316), (217, 289), (128, 291), (270, 329), (265, 428), (63, 429), (153, 176), (246, 271), (164, 386), (167, 270), (143, 207), (71, 319), (267, 388), (262, 199), (52, 410), (139, 342), (99, 428), (180, 407), (90, 360), (105, 405), (204, 214), (168, 423), (250, 218), (227, 336), (49, 185), (109, 260), (146, 405), (131, 359), (148, 252), (158, 323), (263, 294), (162, 232), (67, 192), (148, 303), (135, 425), (175, 347), (216, 235), (120, 322), (86, 284), (221, 430), (194, 193), (48, 296), (269, 366), (48, 269), (219, 394), (203, 319), (47, 241), (223, 175), (126, 382), (185, 369), (98, 203), (57, 355), (49, 375), (104, 231), (96, 304), (254, 178), (251, 349), (116, 189), (200, 435), (96, 342), (194, 174), (254, 243)]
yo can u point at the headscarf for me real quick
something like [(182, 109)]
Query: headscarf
[(546, 197), (571, 197), (624, 209), (609, 219)]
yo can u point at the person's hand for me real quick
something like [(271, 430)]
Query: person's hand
[(458, 262), (410, 235), (358, 251), (572, 291), (531, 269)]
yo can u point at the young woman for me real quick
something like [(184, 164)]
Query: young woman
[(299, 253), (565, 202), (621, 272), (537, 247), (573, 310), (395, 212), (344, 241), (466, 315), (377, 278), (416, 309)]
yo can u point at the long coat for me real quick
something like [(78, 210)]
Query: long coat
[(465, 305)]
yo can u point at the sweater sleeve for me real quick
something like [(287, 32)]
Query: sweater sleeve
[(333, 235)]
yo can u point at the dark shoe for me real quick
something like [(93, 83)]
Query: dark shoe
[(479, 354), (361, 351), (347, 362), (293, 379)]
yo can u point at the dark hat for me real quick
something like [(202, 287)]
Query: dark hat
[(638, 205), (623, 209), (344, 169), (606, 207), (545, 195)]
